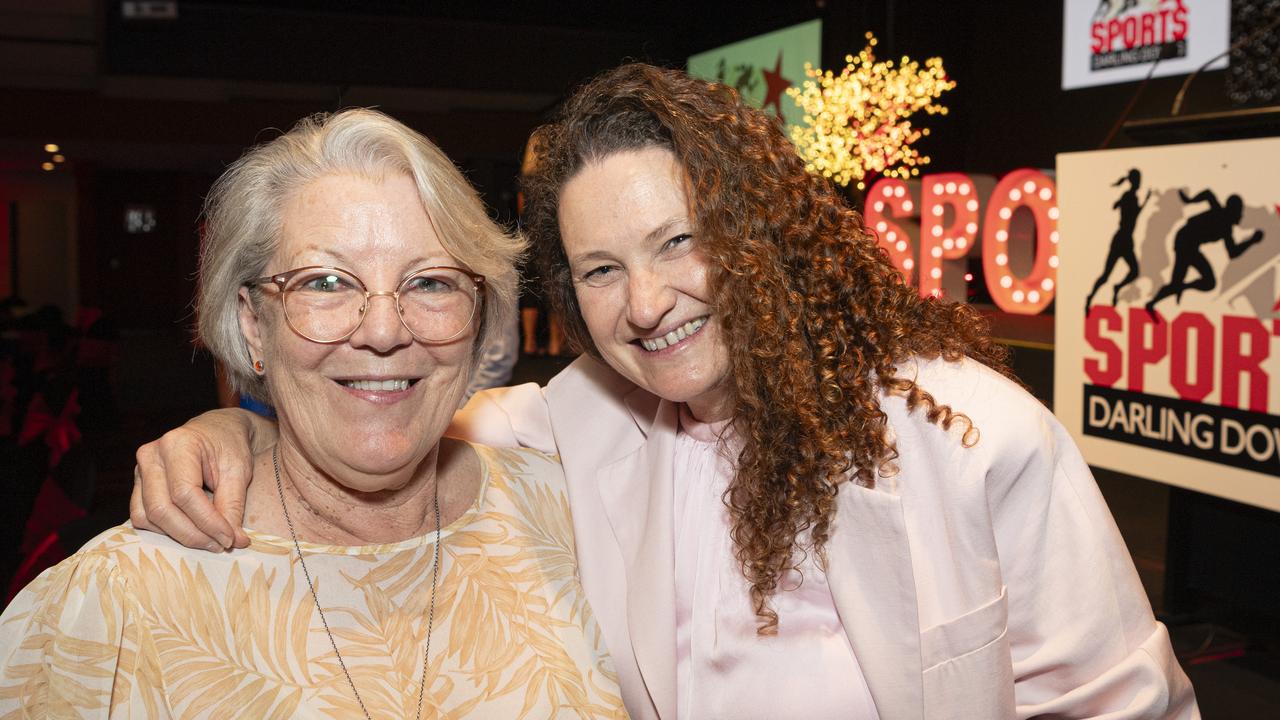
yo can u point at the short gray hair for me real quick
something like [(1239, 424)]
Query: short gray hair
[(242, 220)]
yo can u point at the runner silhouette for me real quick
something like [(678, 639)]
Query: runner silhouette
[(1209, 226), (1122, 241)]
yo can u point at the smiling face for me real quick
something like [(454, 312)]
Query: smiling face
[(641, 281), (376, 403)]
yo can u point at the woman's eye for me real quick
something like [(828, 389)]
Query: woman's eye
[(324, 284), (428, 284), (680, 241), (599, 275)]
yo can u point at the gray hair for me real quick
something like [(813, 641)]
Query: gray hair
[(242, 220)]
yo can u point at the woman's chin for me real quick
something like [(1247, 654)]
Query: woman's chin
[(369, 462)]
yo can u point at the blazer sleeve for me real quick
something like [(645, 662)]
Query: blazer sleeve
[(1083, 638), (506, 417)]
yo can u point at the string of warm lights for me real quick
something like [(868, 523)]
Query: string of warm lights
[(858, 123), (55, 157)]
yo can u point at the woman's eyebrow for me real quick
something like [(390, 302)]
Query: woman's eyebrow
[(661, 232), (590, 256)]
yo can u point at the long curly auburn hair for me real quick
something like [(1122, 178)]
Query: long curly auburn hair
[(814, 316)]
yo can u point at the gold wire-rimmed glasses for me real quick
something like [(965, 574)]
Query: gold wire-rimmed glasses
[(328, 304)]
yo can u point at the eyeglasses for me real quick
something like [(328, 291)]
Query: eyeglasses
[(327, 304)]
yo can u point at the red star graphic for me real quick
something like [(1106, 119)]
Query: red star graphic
[(776, 86)]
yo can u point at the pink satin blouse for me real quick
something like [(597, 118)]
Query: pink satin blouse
[(724, 669)]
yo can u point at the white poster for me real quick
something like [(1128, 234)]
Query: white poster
[(1168, 314), (1114, 41)]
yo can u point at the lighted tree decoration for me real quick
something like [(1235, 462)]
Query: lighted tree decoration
[(858, 123)]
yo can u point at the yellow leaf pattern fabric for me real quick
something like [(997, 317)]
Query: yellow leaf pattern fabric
[(136, 626)]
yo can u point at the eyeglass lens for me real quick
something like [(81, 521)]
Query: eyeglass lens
[(326, 304)]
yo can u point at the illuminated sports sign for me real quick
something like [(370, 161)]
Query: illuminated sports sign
[(1116, 41), (1168, 314), (1020, 219)]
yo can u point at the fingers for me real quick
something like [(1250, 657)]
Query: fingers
[(229, 488), (197, 510), (151, 507), (137, 515), (152, 504)]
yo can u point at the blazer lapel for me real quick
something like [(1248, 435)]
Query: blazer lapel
[(636, 490), (869, 570)]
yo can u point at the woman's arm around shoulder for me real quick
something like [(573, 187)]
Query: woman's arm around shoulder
[(213, 450)]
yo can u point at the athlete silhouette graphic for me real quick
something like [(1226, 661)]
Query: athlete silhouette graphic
[(1209, 226), (1122, 241)]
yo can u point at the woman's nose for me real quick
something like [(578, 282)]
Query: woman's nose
[(381, 329), (649, 298)]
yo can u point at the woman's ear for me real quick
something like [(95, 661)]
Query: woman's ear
[(251, 326)]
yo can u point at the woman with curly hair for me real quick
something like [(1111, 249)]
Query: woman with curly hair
[(798, 489)]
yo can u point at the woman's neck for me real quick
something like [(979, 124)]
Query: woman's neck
[(326, 508), (710, 409)]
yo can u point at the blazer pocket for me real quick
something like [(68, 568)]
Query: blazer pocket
[(965, 634), (968, 668)]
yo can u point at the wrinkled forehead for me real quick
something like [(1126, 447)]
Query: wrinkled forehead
[(358, 220)]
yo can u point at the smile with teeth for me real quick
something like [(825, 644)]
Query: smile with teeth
[(673, 337), (378, 385)]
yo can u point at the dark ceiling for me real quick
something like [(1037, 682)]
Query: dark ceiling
[(190, 86), (192, 90)]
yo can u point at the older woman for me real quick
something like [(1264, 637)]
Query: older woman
[(349, 276), (799, 490)]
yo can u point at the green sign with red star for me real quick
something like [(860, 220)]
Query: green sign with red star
[(763, 67)]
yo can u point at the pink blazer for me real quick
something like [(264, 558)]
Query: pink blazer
[(987, 582)]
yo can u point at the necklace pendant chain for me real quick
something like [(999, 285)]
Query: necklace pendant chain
[(431, 611)]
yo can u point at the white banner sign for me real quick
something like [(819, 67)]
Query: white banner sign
[(1114, 41), (1168, 314)]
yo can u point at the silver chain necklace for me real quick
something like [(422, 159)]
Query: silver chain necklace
[(431, 613)]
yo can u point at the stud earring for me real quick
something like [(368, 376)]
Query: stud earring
[(258, 366)]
